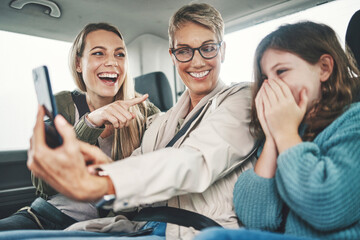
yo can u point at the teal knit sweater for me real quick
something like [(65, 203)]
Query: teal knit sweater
[(319, 181)]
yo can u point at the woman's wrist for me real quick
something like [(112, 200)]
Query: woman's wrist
[(89, 121), (93, 189), (110, 188)]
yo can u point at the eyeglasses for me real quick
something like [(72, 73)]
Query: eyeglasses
[(186, 54)]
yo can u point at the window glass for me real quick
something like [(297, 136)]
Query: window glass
[(241, 45), (18, 103)]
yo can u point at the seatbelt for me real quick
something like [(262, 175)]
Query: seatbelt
[(176, 216), (173, 215), (80, 102), (81, 105), (183, 130), (83, 108)]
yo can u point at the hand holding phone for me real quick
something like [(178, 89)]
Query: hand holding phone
[(46, 99)]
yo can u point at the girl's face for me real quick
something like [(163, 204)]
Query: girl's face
[(103, 64), (294, 71), (200, 75)]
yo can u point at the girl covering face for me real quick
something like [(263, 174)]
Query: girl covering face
[(314, 68), (303, 79), (306, 180)]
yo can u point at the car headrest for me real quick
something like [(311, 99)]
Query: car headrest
[(157, 86), (352, 39)]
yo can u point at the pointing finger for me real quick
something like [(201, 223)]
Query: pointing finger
[(137, 100)]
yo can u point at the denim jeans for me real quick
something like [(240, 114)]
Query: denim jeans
[(157, 233), (242, 234), (49, 217)]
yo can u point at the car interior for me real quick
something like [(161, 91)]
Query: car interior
[(144, 24)]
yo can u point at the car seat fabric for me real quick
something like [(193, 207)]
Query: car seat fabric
[(352, 39), (157, 86)]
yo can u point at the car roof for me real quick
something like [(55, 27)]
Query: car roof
[(133, 17)]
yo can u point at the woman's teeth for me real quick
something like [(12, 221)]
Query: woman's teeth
[(199, 74), (108, 76)]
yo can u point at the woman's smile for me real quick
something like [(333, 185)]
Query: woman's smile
[(108, 78), (200, 75)]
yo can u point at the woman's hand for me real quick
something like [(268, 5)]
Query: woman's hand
[(93, 157), (64, 167), (117, 113), (283, 115)]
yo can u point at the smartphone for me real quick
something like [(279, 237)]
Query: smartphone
[(46, 99)]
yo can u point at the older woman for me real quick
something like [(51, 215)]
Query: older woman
[(197, 172)]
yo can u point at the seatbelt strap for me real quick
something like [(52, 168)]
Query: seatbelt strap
[(177, 216), (83, 108), (173, 215), (183, 130), (81, 105), (80, 102)]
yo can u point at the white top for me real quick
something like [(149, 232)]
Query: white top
[(199, 172)]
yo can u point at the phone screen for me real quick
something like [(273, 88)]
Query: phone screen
[(46, 99)]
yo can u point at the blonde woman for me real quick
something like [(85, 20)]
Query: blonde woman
[(106, 112)]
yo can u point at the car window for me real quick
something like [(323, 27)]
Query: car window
[(18, 104), (241, 45), (21, 53)]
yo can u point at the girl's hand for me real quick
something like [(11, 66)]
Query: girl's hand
[(117, 113), (259, 103), (283, 115), (266, 164)]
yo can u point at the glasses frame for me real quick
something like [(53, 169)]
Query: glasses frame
[(173, 51)]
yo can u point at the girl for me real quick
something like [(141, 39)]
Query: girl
[(306, 181)]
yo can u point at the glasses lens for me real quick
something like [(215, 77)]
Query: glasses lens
[(183, 54), (209, 50)]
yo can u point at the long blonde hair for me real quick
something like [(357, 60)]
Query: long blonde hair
[(126, 139)]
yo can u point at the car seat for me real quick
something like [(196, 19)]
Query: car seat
[(157, 86)]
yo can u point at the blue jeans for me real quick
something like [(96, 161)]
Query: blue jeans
[(158, 233), (243, 234), (49, 217)]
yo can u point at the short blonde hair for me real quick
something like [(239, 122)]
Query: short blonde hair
[(199, 13)]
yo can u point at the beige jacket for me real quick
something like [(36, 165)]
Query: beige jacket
[(199, 172)]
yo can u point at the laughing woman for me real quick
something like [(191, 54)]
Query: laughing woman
[(107, 112)]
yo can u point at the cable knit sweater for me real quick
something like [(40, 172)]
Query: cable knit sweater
[(319, 181)]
